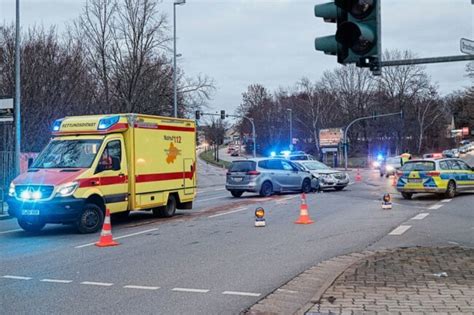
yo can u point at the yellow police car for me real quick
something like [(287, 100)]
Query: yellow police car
[(441, 176)]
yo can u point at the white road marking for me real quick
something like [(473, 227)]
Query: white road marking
[(103, 284), (11, 231), (229, 212), (190, 290), (140, 287), (420, 216), (400, 230), (221, 197), (446, 200), (287, 291), (434, 207), (16, 277), (453, 243), (56, 281), (120, 237), (240, 293), (285, 199)]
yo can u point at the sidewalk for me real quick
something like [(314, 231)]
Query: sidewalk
[(400, 281)]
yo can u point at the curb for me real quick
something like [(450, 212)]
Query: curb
[(5, 217), (301, 293)]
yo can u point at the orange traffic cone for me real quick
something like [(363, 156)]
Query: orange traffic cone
[(106, 238), (304, 215), (358, 177)]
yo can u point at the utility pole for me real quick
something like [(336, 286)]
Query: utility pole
[(17, 92), (291, 128)]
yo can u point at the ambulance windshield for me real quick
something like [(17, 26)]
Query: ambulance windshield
[(68, 154)]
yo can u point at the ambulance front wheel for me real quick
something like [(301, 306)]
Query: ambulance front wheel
[(91, 219), (32, 227)]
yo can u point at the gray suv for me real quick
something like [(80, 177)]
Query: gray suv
[(266, 176)]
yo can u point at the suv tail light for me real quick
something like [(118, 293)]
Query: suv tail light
[(256, 173), (433, 173)]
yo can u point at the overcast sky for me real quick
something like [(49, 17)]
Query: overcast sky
[(271, 42)]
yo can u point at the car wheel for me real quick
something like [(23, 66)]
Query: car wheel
[(169, 210), (32, 227), (266, 189), (406, 195), (451, 190), (339, 188), (91, 219), (306, 187), (236, 193)]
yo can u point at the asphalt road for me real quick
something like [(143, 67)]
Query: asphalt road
[(212, 260)]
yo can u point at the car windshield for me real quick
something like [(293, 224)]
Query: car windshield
[(242, 166), (393, 160), (315, 165), (68, 154), (421, 166)]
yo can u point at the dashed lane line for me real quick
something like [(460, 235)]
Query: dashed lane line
[(190, 290), (229, 212), (420, 216), (101, 284), (436, 206), (56, 281), (120, 237), (16, 277), (140, 287), (446, 200), (11, 231), (241, 293), (400, 230)]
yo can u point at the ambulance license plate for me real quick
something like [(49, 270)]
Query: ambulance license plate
[(237, 179), (30, 212), (414, 180)]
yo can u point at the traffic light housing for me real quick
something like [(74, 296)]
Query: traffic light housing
[(198, 115), (358, 36), (222, 114)]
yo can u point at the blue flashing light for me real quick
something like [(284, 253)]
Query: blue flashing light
[(273, 154), (57, 124), (380, 157), (286, 153), (106, 123)]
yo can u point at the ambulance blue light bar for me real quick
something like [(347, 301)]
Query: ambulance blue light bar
[(57, 124), (106, 123)]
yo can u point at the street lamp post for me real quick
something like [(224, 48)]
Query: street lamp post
[(291, 128), (175, 91), (17, 92)]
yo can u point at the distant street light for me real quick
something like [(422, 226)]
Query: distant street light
[(175, 91), (291, 128)]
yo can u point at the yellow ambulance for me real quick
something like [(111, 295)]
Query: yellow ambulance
[(122, 162)]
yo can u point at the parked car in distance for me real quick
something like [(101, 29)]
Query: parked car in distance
[(326, 176), (463, 150), (234, 153), (448, 153), (390, 166), (266, 176), (455, 153)]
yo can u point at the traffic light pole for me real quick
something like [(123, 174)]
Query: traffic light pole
[(359, 119)]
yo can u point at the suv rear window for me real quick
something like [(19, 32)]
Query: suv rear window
[(421, 166), (242, 166)]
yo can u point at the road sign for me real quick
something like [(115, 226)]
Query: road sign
[(467, 46), (330, 137), (6, 110)]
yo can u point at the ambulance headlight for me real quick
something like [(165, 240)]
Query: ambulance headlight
[(11, 190), (26, 195), (36, 195), (67, 189), (106, 123)]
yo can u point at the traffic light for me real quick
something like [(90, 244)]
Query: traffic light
[(198, 115), (222, 114), (357, 39)]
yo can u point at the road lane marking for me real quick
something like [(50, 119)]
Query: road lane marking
[(221, 197), (102, 284), (240, 293), (285, 199), (446, 200), (140, 287), (420, 216), (229, 212), (120, 237), (400, 230), (16, 277), (434, 207), (287, 291), (56, 281), (11, 231), (190, 290)]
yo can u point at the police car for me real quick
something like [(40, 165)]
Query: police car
[(441, 176)]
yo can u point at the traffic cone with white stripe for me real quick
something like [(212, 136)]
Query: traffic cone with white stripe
[(304, 214), (358, 177), (106, 238)]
